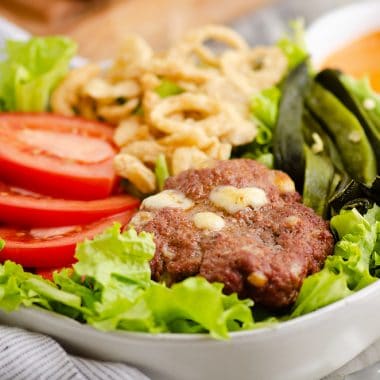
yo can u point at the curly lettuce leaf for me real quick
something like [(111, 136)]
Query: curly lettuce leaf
[(110, 288), (191, 306), (375, 261), (11, 294), (118, 265), (119, 257), (23, 288), (293, 45), (375, 258), (161, 171), (2, 244), (195, 302), (31, 71), (266, 159), (348, 270), (264, 106), (68, 281), (264, 110), (168, 88)]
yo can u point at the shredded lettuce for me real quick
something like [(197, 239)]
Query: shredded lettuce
[(264, 110), (178, 308), (168, 88), (375, 259), (31, 71), (293, 45), (139, 110), (23, 288), (110, 288), (264, 106), (2, 244), (161, 171), (349, 269)]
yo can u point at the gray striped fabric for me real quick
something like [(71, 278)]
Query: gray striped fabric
[(29, 356)]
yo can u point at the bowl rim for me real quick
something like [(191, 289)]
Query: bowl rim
[(328, 19)]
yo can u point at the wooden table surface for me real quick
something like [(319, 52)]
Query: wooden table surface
[(100, 30)]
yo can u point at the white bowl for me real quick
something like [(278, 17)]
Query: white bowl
[(305, 348), (341, 26)]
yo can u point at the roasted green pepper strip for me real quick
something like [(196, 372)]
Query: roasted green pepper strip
[(351, 194), (365, 95), (352, 143), (347, 191), (332, 81), (374, 191), (313, 132), (287, 137), (318, 176)]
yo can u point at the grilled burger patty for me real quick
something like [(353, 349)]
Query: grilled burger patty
[(238, 223)]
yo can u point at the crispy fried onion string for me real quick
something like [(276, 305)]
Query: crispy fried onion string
[(203, 111)]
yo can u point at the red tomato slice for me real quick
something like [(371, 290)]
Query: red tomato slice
[(47, 273), (60, 156), (22, 208), (51, 247)]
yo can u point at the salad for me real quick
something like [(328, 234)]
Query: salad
[(71, 182)]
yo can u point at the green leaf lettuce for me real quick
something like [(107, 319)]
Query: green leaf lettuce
[(168, 88), (293, 45), (264, 110), (110, 288), (31, 71), (161, 171), (348, 270)]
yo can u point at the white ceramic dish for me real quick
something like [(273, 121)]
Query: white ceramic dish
[(341, 26), (306, 348)]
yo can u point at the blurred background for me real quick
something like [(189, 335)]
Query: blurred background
[(99, 25)]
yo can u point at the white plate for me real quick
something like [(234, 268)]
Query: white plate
[(309, 347)]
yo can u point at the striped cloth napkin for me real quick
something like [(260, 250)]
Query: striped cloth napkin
[(29, 356)]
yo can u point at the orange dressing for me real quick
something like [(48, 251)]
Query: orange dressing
[(359, 58)]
